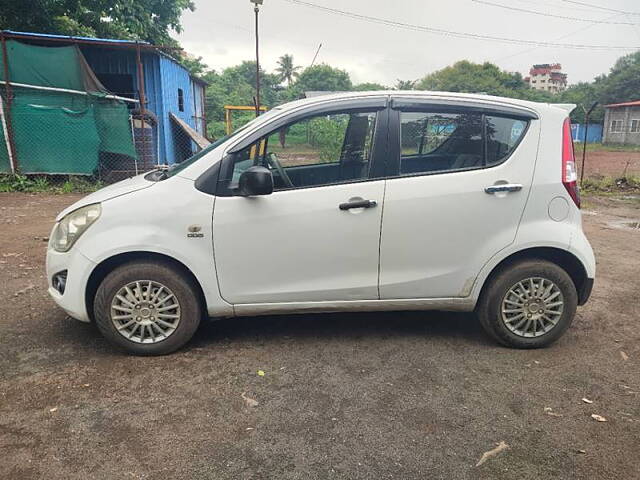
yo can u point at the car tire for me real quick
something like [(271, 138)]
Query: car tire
[(513, 308), (156, 298)]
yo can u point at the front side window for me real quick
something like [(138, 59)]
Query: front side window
[(635, 126), (432, 142), (319, 150)]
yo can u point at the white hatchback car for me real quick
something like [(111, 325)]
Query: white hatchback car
[(351, 202)]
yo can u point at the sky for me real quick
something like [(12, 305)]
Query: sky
[(222, 32)]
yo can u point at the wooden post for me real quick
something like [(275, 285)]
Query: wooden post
[(6, 115), (143, 108), (140, 71)]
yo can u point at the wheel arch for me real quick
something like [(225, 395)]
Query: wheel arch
[(563, 258), (109, 264)]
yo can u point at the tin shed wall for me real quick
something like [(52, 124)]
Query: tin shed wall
[(175, 77), (123, 61)]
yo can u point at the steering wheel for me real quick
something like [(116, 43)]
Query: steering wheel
[(273, 162)]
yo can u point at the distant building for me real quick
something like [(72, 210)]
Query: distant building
[(622, 123), (547, 77)]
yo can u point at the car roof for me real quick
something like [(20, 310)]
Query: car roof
[(425, 95)]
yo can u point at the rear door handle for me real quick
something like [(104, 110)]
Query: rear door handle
[(358, 204), (507, 187)]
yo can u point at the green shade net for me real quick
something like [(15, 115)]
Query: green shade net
[(60, 132), (114, 128), (59, 67), (55, 138)]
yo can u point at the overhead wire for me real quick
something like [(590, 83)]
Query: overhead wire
[(551, 15), (455, 34)]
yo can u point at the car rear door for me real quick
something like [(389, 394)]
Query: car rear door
[(317, 236), (458, 186)]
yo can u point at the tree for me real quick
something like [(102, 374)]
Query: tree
[(286, 69), (404, 85), (147, 20), (323, 78), (195, 65), (622, 84), (465, 76), (583, 94), (369, 86)]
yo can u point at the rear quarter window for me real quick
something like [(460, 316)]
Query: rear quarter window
[(503, 135)]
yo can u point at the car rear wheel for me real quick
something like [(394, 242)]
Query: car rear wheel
[(528, 304), (147, 308)]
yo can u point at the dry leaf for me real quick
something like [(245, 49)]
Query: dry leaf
[(598, 418), (586, 400), (582, 451), (261, 373), (54, 409), (486, 455), (624, 356), (249, 401)]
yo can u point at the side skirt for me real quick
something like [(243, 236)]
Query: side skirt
[(446, 304)]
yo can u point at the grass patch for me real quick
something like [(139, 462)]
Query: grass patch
[(610, 185), (49, 184)]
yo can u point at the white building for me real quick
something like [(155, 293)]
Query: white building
[(547, 77)]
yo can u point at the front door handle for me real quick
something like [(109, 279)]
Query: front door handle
[(358, 204), (507, 187)]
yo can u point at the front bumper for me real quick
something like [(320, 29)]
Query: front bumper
[(78, 269)]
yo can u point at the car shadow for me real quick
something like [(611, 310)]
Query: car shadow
[(447, 326)]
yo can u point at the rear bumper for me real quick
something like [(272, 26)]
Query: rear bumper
[(585, 291)]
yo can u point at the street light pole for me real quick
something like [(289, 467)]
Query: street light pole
[(256, 9)]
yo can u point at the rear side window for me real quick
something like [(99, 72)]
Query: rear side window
[(503, 135), (433, 142), (440, 141)]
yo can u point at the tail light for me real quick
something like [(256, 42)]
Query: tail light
[(569, 171)]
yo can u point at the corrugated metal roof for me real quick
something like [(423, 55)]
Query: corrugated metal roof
[(72, 38), (635, 103)]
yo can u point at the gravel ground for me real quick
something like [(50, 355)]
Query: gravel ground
[(353, 396)]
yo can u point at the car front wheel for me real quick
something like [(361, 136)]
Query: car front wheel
[(528, 304), (147, 308)]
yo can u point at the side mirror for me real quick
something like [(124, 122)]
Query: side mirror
[(255, 181)]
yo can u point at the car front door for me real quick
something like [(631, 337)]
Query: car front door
[(316, 237), (455, 197)]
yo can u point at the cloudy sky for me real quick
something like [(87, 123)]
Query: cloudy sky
[(221, 31)]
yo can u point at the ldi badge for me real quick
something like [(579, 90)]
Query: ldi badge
[(194, 231)]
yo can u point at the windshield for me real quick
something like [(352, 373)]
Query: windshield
[(178, 167)]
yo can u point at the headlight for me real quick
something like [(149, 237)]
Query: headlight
[(69, 229)]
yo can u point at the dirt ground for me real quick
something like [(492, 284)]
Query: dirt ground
[(385, 396), (609, 163)]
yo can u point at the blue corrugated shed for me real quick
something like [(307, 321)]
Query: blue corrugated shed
[(164, 78)]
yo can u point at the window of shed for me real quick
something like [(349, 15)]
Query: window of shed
[(180, 100)]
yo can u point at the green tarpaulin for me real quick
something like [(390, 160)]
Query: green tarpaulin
[(43, 137), (60, 132)]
